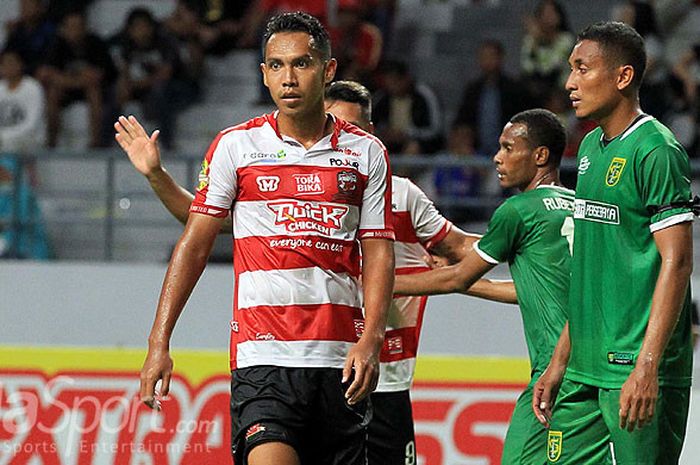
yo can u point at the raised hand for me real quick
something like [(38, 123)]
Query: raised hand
[(141, 148)]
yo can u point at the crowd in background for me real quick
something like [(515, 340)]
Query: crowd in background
[(51, 58)]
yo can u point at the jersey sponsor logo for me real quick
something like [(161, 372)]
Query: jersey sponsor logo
[(596, 211), (615, 171), (343, 163), (308, 217), (583, 165), (395, 345), (359, 327), (254, 430), (620, 358), (203, 178), (309, 184), (554, 445), (558, 203), (266, 156), (264, 337), (347, 181), (268, 183), (347, 151)]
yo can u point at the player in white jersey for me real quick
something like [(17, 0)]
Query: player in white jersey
[(302, 187), (418, 227)]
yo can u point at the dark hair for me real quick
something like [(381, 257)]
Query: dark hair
[(140, 13), (543, 130), (351, 92), (299, 22), (644, 18), (620, 44), (559, 8)]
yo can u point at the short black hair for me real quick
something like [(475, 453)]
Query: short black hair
[(559, 8), (620, 44), (351, 92), (544, 129), (140, 13), (299, 22)]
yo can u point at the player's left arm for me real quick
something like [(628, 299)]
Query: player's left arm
[(377, 283), (454, 246), (640, 391), (497, 290)]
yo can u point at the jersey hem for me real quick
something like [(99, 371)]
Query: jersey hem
[(290, 363), (582, 378), (393, 387)]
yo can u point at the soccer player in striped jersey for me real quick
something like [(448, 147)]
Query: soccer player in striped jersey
[(304, 189), (418, 227), (532, 231), (626, 356)]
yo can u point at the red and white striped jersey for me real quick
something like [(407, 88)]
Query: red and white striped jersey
[(418, 226), (297, 215)]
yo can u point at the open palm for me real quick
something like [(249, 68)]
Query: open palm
[(141, 148)]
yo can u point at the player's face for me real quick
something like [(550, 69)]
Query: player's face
[(295, 73), (515, 160), (592, 82), (350, 112)]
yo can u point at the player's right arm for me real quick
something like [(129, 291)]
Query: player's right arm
[(547, 386), (497, 290), (186, 265), (144, 154)]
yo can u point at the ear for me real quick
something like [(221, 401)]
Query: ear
[(541, 154), (371, 127), (625, 77), (263, 68), (329, 71)]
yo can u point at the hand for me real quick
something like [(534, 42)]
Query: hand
[(545, 392), (435, 261), (157, 367), (363, 359), (638, 397), (142, 150)]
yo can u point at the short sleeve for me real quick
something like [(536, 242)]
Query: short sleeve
[(502, 237), (665, 186), (375, 215), (217, 182), (430, 226)]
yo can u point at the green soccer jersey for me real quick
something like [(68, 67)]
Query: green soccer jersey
[(533, 232), (627, 189)]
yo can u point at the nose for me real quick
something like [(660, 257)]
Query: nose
[(290, 78), (497, 158), (570, 82)]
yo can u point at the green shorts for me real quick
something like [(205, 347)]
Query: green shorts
[(585, 428), (526, 438)]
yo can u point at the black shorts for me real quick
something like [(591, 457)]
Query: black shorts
[(302, 407), (391, 438)]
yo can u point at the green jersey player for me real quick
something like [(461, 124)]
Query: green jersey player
[(532, 231), (625, 392)]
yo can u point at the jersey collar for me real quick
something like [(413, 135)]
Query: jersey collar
[(338, 125)]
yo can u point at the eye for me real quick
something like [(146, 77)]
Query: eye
[(274, 66), (304, 63)]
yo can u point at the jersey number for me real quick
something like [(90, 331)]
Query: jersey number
[(567, 230)]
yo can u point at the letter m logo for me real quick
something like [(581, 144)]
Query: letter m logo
[(268, 183)]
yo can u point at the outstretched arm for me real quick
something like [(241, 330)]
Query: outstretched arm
[(454, 246), (454, 278), (144, 154), (498, 290)]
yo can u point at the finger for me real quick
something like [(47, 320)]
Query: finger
[(120, 140), (165, 387), (122, 127), (154, 136), (369, 379), (121, 131), (128, 127), (347, 369), (148, 390), (138, 129), (355, 387)]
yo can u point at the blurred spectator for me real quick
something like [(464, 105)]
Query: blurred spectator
[(31, 34), (216, 24), (546, 48), (407, 114), (686, 119), (460, 183), (150, 70), (77, 67), (21, 106), (491, 99), (381, 13), (184, 26), (357, 44), (57, 9), (679, 21), (260, 10), (654, 93)]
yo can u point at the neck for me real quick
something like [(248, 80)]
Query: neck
[(620, 118), (307, 129), (13, 83), (544, 177)]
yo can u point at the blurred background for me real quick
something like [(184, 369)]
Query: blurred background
[(84, 242)]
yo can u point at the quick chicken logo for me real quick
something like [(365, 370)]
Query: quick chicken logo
[(554, 444), (615, 171), (308, 217)]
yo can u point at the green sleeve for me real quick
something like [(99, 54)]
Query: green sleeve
[(665, 181), (503, 235)]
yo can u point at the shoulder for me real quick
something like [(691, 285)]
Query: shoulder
[(652, 136), (353, 135)]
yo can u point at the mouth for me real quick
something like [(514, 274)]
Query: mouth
[(291, 97), (575, 101), (500, 175)]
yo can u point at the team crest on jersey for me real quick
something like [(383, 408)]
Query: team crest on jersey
[(554, 445), (347, 181), (203, 178), (268, 183), (615, 171), (308, 217), (309, 184), (583, 165), (254, 431)]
